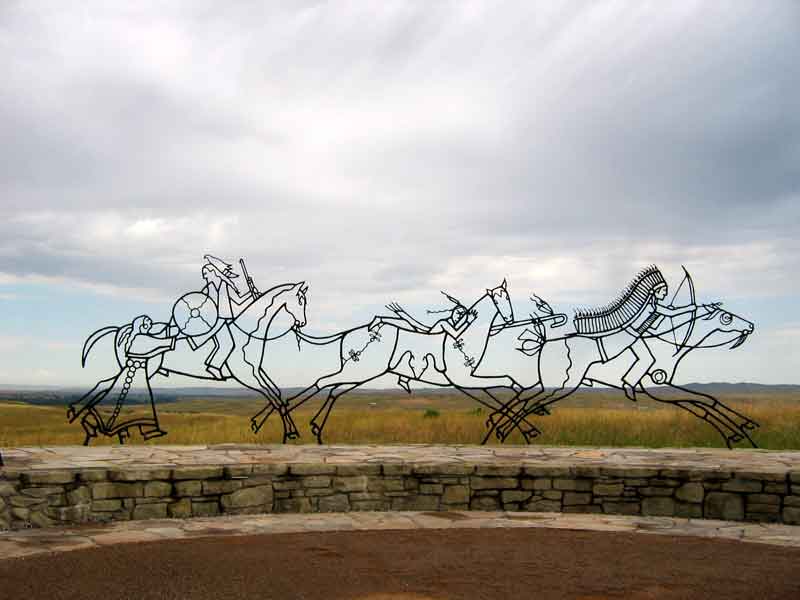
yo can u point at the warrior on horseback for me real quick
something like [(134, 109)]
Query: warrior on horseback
[(454, 324), (230, 303), (458, 319), (234, 321), (623, 323)]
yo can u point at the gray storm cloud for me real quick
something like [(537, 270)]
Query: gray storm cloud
[(396, 148)]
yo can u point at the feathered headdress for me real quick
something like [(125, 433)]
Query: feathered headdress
[(623, 309)]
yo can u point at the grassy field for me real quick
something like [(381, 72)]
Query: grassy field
[(591, 419)]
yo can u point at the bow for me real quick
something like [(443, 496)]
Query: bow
[(686, 279)]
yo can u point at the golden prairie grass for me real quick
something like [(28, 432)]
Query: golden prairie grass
[(27, 425)]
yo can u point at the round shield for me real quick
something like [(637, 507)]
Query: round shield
[(195, 314)]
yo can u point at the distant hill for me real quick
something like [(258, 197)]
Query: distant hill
[(743, 388), (62, 396)]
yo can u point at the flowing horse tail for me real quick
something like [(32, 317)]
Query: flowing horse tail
[(93, 339)]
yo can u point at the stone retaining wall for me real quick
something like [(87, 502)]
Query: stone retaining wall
[(43, 498)]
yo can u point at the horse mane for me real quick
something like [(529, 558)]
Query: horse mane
[(621, 311), (275, 291), (250, 324), (268, 298)]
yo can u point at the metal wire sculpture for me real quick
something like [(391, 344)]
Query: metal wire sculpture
[(214, 322), (630, 342)]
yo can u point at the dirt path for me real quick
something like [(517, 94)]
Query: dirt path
[(412, 565)]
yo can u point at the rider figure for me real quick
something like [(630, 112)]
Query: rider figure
[(220, 287), (624, 323), (454, 324)]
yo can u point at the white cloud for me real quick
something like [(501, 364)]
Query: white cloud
[(144, 228), (142, 294), (388, 150)]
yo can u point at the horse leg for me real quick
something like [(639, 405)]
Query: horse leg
[(269, 386), (273, 394), (289, 428), (706, 408), (571, 382), (509, 409), (325, 410), (497, 407), (248, 378), (502, 411), (512, 418), (303, 397), (515, 419), (701, 413), (244, 365), (563, 376), (307, 394), (741, 423), (257, 420), (710, 409), (568, 388)]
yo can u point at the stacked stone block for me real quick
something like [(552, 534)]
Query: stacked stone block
[(38, 498)]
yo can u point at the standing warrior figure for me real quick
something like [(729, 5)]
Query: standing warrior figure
[(623, 323), (103, 409), (219, 276)]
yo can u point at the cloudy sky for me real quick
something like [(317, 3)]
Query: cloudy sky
[(386, 150)]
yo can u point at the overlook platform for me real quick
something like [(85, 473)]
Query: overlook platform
[(68, 485)]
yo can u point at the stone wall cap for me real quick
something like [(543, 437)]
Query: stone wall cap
[(80, 458)]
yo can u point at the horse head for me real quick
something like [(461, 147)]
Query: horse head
[(718, 327), (712, 327), (295, 303), (502, 301)]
